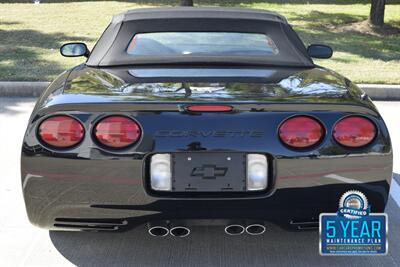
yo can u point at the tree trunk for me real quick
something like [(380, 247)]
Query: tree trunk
[(377, 13), (186, 2)]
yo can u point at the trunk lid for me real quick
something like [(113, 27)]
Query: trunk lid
[(246, 88)]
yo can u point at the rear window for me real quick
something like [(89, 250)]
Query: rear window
[(202, 43)]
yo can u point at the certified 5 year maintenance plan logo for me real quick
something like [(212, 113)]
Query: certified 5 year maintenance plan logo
[(353, 230)]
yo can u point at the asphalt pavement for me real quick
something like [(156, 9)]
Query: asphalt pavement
[(22, 244)]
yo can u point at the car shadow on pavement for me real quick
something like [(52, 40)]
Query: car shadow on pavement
[(210, 246)]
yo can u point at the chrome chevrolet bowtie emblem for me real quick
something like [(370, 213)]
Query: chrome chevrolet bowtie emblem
[(209, 171)]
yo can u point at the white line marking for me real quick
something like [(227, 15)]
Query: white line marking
[(395, 191)]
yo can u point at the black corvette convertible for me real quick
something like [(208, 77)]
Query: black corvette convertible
[(200, 116)]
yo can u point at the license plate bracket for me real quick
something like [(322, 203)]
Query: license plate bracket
[(209, 172)]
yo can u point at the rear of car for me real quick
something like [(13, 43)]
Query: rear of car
[(196, 137)]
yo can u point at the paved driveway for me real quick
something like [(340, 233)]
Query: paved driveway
[(24, 245)]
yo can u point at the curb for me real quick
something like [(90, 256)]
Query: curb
[(382, 91), (22, 89), (34, 89)]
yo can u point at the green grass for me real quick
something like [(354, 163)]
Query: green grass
[(30, 35)]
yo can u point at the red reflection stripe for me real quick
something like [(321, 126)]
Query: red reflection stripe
[(209, 108)]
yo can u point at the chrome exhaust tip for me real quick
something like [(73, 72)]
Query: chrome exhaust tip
[(159, 231), (255, 229), (234, 229), (179, 231)]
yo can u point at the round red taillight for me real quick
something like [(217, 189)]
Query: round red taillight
[(61, 131), (354, 131), (301, 132), (117, 131)]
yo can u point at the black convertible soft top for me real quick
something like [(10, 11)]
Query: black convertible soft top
[(110, 49), (198, 12)]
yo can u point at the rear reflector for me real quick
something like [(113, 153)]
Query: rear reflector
[(117, 131), (301, 132), (61, 131), (209, 108), (354, 131)]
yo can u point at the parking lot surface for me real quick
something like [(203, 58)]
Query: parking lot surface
[(21, 244)]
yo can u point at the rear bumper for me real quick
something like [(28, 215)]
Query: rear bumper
[(82, 192)]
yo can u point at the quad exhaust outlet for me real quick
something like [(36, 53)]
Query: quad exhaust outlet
[(234, 229), (158, 231), (255, 229), (251, 229), (164, 229), (179, 231)]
